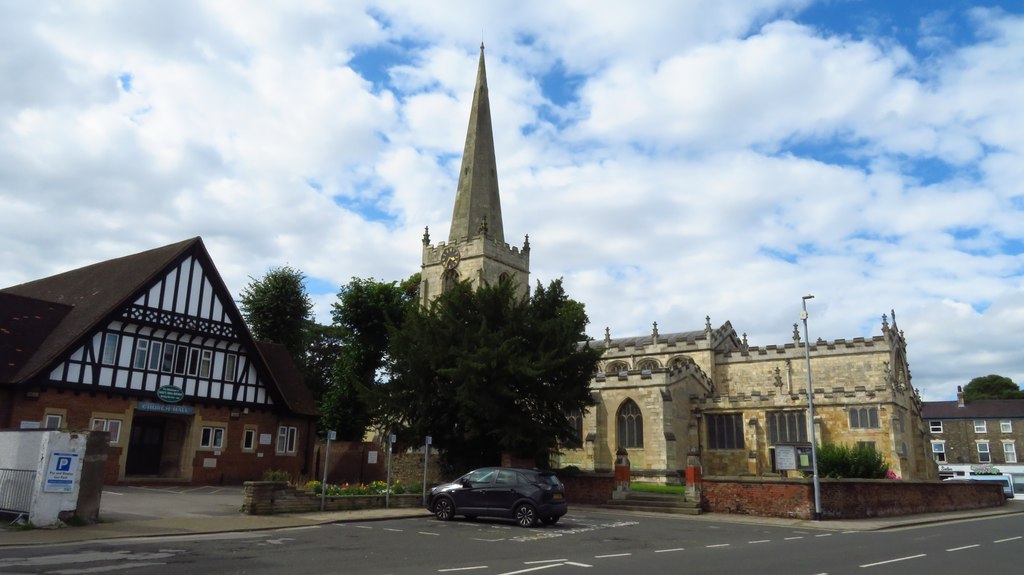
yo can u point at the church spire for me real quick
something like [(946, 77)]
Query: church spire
[(477, 204)]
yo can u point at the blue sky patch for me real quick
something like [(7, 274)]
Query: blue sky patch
[(125, 79), (374, 63)]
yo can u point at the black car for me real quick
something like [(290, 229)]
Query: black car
[(526, 495)]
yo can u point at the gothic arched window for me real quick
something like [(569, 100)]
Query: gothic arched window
[(575, 418), (616, 367), (630, 425), (651, 364)]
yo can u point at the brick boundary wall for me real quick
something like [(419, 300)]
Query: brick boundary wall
[(589, 488), (270, 497), (843, 498)]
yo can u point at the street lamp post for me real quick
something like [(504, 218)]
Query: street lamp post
[(810, 413)]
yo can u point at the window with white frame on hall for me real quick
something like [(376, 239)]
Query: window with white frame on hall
[(141, 352), (939, 451), (211, 437), (110, 349), (1009, 452), (111, 426), (230, 365), (863, 418), (286, 439), (935, 426), (1005, 426), (52, 421), (249, 439), (980, 426), (984, 455)]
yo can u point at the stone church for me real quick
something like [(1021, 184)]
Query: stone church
[(704, 397)]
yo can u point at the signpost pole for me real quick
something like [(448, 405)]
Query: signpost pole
[(426, 459)]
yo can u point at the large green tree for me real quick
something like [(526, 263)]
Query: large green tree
[(277, 309), (365, 312), (486, 372), (992, 387)]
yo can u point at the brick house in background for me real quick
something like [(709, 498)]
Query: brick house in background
[(982, 435), (151, 348)]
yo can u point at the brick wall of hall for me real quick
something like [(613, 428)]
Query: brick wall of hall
[(230, 466)]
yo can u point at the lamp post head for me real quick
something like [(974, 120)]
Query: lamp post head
[(807, 297)]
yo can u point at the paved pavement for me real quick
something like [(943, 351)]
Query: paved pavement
[(130, 512)]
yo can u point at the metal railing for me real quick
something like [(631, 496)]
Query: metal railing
[(16, 489)]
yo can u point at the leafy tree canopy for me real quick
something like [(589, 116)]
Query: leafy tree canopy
[(485, 372), (278, 309), (365, 311), (992, 387)]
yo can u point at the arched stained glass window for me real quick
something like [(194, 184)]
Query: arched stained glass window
[(630, 425)]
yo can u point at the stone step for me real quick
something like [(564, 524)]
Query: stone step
[(655, 503)]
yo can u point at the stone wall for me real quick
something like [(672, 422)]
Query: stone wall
[(270, 497), (843, 498)]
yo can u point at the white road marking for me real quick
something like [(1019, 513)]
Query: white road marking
[(363, 527), (393, 530), (487, 540), (428, 533), (824, 535), (792, 538), (119, 567), (301, 528), (575, 564), (760, 541), (612, 555), (538, 568), (669, 550), (964, 547), (544, 561), (462, 569), (719, 545), (1008, 539), (893, 560)]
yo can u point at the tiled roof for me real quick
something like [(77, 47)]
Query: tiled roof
[(24, 324), (288, 377), (88, 295), (977, 409)]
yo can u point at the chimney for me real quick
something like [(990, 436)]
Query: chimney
[(959, 396)]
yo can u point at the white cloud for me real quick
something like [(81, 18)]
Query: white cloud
[(716, 159)]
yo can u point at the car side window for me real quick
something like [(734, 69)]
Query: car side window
[(506, 477), (480, 476)]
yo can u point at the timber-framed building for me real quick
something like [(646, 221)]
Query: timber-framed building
[(152, 349)]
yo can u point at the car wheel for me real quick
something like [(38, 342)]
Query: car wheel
[(444, 509), (526, 515), (549, 520)]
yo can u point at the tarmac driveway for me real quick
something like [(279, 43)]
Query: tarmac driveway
[(133, 503)]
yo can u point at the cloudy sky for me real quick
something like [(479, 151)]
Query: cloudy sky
[(670, 160)]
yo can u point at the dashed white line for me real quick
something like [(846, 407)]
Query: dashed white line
[(893, 560), (462, 569), (719, 545), (669, 550), (824, 535), (363, 527), (760, 541), (1008, 539), (393, 530), (538, 562), (792, 538), (964, 547), (612, 555), (428, 533)]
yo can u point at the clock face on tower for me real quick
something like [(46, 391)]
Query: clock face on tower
[(450, 258)]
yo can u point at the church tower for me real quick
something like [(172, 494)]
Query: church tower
[(476, 248)]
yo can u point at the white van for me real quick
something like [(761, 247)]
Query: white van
[(1005, 480)]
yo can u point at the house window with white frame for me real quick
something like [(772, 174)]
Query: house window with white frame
[(939, 451), (286, 439), (984, 455), (110, 349), (1005, 426), (141, 353), (935, 426), (52, 421), (1009, 452), (211, 437), (980, 426), (249, 439), (111, 426)]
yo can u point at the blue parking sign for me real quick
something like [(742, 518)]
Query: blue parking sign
[(60, 473)]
